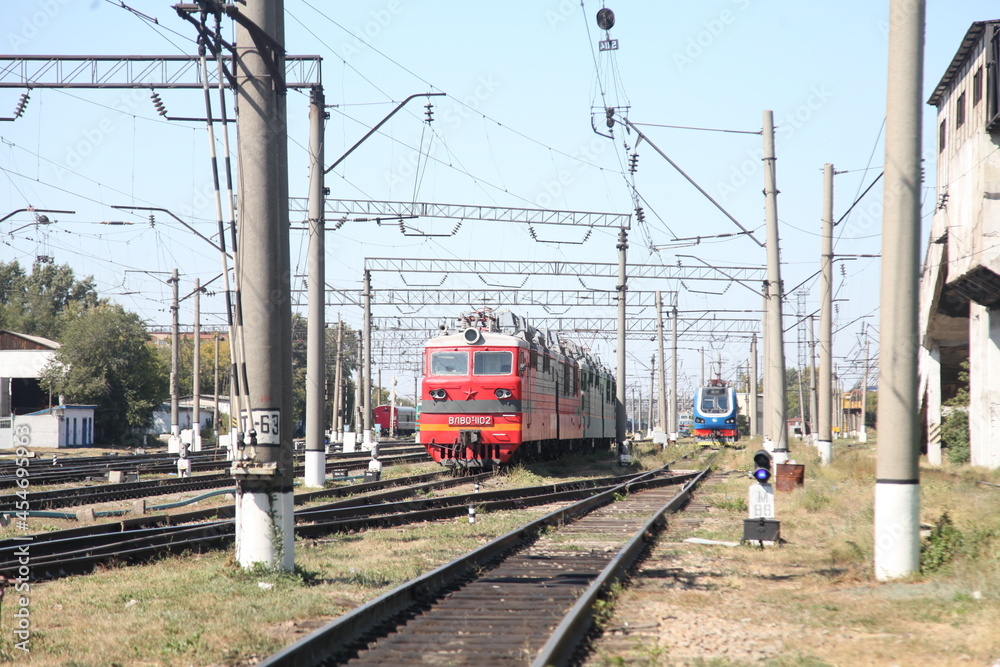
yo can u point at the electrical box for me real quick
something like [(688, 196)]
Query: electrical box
[(761, 530)]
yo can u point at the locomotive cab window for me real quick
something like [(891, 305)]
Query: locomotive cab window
[(449, 363), (714, 401), (493, 362)]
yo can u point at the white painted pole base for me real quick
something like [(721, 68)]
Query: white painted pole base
[(779, 456), (863, 435), (315, 469), (825, 448), (265, 530), (366, 442), (897, 530)]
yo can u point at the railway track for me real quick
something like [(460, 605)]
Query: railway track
[(87, 495), (78, 550), (522, 599)]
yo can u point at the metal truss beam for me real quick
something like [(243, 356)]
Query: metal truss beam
[(495, 298), (595, 270), (639, 325), (110, 72), (394, 210)]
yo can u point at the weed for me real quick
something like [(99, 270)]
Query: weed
[(942, 545), (731, 504), (815, 501)]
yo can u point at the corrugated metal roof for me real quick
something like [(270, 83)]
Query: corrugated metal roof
[(972, 37)]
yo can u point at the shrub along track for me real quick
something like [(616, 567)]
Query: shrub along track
[(521, 599)]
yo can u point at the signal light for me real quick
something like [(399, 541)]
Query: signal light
[(762, 465)]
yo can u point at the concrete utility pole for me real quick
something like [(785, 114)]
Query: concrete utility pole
[(367, 389), (765, 424), (662, 385), (620, 376), (897, 485), (652, 392), (702, 367), (775, 343), (215, 393), (359, 388), (863, 435), (813, 397), (196, 372), (824, 441), (674, 426), (338, 381), (315, 469), (752, 393), (264, 509), (174, 444)]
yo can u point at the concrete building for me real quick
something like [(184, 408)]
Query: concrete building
[(59, 426), (960, 285)]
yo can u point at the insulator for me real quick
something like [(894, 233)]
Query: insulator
[(610, 111), (21, 103), (429, 112), (633, 163), (158, 103)]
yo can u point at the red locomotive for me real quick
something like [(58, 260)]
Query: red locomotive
[(499, 390)]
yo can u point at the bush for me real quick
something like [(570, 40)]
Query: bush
[(955, 436), (943, 544)]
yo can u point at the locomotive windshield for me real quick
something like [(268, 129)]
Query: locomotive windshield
[(714, 400), (449, 363), (493, 362)]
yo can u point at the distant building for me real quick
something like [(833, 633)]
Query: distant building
[(185, 412), (59, 426), (960, 285), (22, 358)]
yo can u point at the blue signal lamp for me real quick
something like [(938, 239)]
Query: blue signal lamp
[(762, 462)]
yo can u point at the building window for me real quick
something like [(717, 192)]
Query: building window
[(960, 111), (977, 86), (941, 132)]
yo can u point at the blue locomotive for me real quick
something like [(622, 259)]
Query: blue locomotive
[(715, 410)]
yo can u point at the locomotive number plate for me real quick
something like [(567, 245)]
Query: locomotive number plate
[(470, 420)]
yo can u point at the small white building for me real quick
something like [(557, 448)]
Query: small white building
[(59, 426), (185, 410)]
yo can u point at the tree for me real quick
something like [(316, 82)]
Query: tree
[(42, 303), (105, 360)]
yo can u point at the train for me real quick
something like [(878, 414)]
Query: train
[(404, 421), (715, 413), (497, 391)]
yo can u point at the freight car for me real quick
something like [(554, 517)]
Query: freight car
[(496, 390)]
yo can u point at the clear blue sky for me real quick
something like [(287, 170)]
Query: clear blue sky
[(522, 80)]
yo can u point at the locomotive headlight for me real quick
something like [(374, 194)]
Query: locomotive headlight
[(730, 421), (438, 394), (503, 393), (699, 420)]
